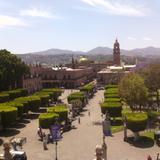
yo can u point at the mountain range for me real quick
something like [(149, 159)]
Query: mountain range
[(57, 56), (103, 50)]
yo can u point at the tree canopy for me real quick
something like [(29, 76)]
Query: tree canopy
[(133, 90), (11, 70)]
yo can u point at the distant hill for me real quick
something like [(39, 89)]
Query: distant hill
[(58, 56)]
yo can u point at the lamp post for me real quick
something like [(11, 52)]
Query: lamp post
[(56, 150)]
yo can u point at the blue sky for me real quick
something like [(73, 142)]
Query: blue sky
[(35, 25)]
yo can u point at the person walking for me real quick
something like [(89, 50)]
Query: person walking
[(45, 141), (99, 153)]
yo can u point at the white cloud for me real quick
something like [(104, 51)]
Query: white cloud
[(117, 8), (131, 38), (34, 12), (11, 21), (147, 39)]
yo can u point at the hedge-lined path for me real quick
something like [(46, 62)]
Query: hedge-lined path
[(79, 144)]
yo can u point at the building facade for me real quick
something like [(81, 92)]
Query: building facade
[(33, 81), (66, 77)]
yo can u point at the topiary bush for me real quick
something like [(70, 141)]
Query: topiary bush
[(8, 115), (112, 100), (76, 95), (4, 97), (136, 121), (111, 86), (153, 115), (47, 119), (34, 103), (89, 88), (19, 106), (25, 102), (44, 98), (115, 95), (61, 110), (55, 91), (113, 108), (112, 91)]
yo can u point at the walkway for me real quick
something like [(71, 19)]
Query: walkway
[(79, 143)]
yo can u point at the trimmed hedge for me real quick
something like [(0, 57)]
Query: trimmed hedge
[(106, 95), (112, 91), (44, 99), (19, 106), (136, 121), (55, 92), (76, 95), (61, 110), (47, 119), (4, 97), (153, 115), (8, 115), (113, 108), (111, 86), (25, 102), (87, 88), (112, 100), (34, 103), (16, 93)]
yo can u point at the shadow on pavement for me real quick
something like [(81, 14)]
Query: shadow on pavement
[(143, 142), (18, 125), (9, 132)]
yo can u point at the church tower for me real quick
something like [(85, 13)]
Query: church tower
[(116, 54), (73, 63)]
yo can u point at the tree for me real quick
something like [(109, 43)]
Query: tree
[(132, 88), (151, 75), (11, 70)]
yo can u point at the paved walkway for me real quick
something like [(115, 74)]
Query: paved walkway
[(79, 143)]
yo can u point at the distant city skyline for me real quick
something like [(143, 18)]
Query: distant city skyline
[(79, 25)]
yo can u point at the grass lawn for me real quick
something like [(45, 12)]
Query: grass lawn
[(149, 134), (116, 129)]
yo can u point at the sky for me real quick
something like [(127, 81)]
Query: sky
[(79, 25)]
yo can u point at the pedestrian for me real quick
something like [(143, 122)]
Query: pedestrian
[(149, 158), (79, 120), (88, 113), (39, 132), (45, 141), (157, 156), (99, 153)]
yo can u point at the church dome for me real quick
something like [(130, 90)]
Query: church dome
[(83, 59)]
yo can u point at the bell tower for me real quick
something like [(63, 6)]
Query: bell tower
[(116, 54)]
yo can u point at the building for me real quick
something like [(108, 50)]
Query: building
[(116, 54), (66, 77), (113, 74), (32, 82)]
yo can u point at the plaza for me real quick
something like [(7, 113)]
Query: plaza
[(79, 143)]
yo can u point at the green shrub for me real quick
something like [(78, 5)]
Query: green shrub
[(8, 115), (47, 119), (19, 106), (87, 88), (112, 91), (112, 100), (111, 86), (61, 110), (25, 102), (34, 103), (153, 114), (76, 95), (56, 92), (4, 97), (115, 95), (113, 108), (44, 98), (136, 121)]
